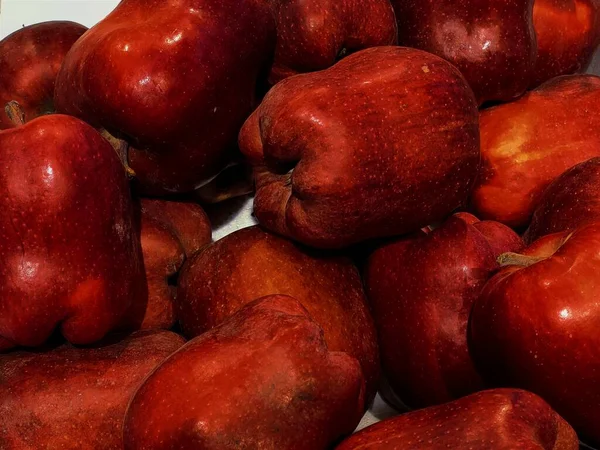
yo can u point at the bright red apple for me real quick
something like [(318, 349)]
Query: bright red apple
[(535, 325), (174, 78), (382, 143), (30, 59), (264, 379)]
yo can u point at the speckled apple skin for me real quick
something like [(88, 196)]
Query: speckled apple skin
[(492, 42), (264, 379), (526, 144), (421, 290), (70, 255), (175, 78), (536, 327), (71, 398), (383, 143), (314, 34), (570, 201), (498, 419), (252, 263), (30, 59)]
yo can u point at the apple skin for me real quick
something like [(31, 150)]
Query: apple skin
[(314, 34), (252, 263), (492, 42), (527, 144), (70, 254), (568, 32), (570, 201), (262, 379), (73, 398), (30, 59), (421, 290), (144, 74), (496, 419), (535, 327), (365, 139)]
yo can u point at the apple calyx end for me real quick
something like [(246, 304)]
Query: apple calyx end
[(15, 113), (516, 259)]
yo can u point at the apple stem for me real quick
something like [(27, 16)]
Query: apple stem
[(516, 259), (15, 113), (122, 148), (234, 181)]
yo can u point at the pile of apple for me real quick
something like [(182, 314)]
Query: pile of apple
[(427, 184)]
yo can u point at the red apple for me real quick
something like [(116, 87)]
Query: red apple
[(264, 379), (382, 143), (251, 263), (72, 398), (499, 419), (175, 78), (313, 34), (30, 59), (526, 144), (492, 42), (535, 325), (70, 254), (570, 201), (421, 290)]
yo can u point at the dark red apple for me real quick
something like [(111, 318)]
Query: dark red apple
[(70, 254), (499, 419), (382, 143), (73, 398), (175, 78), (264, 379), (492, 42), (30, 59), (570, 201), (421, 290), (526, 144), (535, 326), (251, 263), (313, 34)]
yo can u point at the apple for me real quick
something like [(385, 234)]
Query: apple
[(497, 419), (382, 143), (262, 379), (175, 79), (72, 398), (492, 42), (314, 34), (252, 263), (527, 144), (70, 248), (535, 325), (30, 59), (571, 200), (421, 289)]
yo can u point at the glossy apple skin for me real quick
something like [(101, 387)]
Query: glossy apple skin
[(30, 59), (145, 73), (70, 255), (262, 379), (252, 263), (382, 143), (526, 144), (497, 419), (568, 32), (314, 34), (536, 327), (73, 398), (421, 290), (492, 42), (570, 201)]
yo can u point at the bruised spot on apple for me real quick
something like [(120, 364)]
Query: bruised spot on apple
[(262, 379), (535, 325), (378, 147), (30, 59), (496, 419)]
